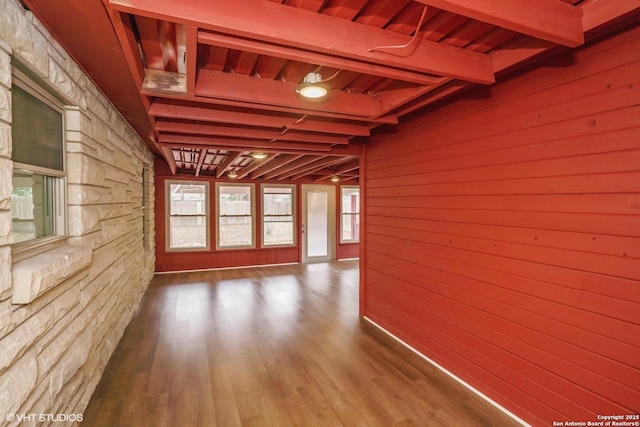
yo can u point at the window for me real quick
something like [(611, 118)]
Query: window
[(350, 213), (277, 215), (235, 215), (188, 213), (38, 181)]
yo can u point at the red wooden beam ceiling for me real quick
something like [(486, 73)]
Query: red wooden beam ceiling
[(286, 52), (217, 143), (291, 166), (253, 90), (288, 26), (227, 162), (549, 20), (249, 133), (164, 108)]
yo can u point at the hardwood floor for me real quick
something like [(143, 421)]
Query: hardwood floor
[(271, 346)]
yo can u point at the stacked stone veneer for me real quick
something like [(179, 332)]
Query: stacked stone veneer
[(81, 296)]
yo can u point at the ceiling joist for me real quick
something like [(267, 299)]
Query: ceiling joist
[(308, 31), (246, 132), (250, 90), (168, 109), (549, 20), (320, 59)]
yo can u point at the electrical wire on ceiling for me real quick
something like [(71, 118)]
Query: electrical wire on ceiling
[(286, 128), (410, 42)]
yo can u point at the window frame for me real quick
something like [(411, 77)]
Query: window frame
[(27, 248), (293, 215), (207, 215), (351, 214), (252, 193)]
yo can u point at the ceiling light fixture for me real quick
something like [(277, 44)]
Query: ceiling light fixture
[(232, 174), (312, 87), (259, 155), (335, 178)]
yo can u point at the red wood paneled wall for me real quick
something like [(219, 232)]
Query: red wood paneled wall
[(502, 237), (198, 260)]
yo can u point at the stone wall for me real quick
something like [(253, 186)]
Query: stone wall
[(62, 312)]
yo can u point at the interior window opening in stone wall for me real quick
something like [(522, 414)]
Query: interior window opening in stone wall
[(38, 180)]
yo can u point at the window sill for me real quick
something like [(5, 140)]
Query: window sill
[(36, 275)]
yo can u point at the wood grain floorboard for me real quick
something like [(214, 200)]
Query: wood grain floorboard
[(271, 346)]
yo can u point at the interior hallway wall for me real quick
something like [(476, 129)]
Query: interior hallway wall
[(502, 236)]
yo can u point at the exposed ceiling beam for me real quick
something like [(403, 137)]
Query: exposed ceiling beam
[(277, 163), (352, 165), (387, 119), (595, 13), (231, 157), (203, 154), (256, 164), (264, 20), (290, 166), (340, 151), (309, 169), (249, 133), (549, 20), (214, 84), (168, 109), (216, 143), (315, 58)]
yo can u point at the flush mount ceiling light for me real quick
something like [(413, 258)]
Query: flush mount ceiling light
[(259, 155), (312, 87), (232, 174), (335, 178)]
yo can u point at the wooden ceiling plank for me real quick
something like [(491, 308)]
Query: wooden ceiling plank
[(269, 135), (407, 20), (344, 9), (308, 31), (549, 20), (341, 151), (306, 171), (281, 161), (272, 92), (312, 5), (256, 164), (236, 143), (161, 108), (379, 13), (292, 166), (286, 52), (203, 154), (244, 62), (309, 163), (231, 157), (270, 66)]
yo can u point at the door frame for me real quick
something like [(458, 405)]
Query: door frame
[(331, 222)]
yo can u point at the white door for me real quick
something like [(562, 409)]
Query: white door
[(318, 223)]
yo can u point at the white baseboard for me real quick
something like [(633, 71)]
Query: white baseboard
[(459, 380)]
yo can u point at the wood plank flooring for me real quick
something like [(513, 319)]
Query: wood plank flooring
[(271, 346)]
